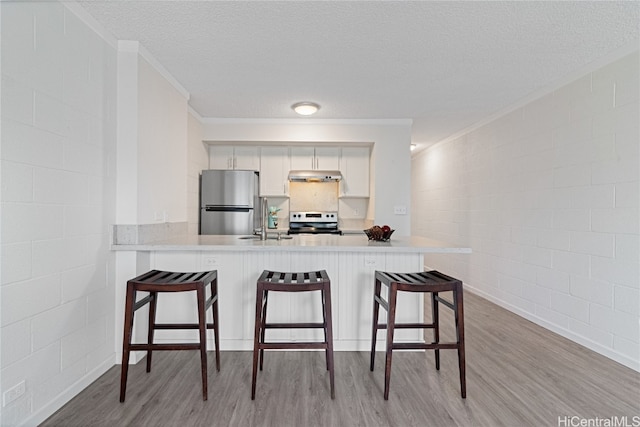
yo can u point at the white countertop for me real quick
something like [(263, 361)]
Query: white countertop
[(311, 243)]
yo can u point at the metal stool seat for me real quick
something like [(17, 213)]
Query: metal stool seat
[(430, 282), (164, 281), (292, 282)]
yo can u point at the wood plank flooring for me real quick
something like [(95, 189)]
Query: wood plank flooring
[(518, 374)]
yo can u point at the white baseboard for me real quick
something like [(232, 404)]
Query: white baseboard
[(579, 339), (64, 397)]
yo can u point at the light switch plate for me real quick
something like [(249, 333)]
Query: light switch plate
[(13, 393), (400, 210), (210, 261)]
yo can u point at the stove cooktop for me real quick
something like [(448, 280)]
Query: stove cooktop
[(313, 223)]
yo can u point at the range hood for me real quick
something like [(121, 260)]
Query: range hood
[(314, 176)]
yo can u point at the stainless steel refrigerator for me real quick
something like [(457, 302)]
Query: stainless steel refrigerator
[(229, 202)]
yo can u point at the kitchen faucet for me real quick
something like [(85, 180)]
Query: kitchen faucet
[(264, 213)]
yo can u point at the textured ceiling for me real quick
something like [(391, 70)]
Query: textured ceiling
[(446, 65)]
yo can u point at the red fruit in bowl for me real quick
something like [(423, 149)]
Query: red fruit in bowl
[(386, 228)]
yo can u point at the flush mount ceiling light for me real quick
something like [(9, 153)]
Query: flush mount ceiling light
[(305, 108)]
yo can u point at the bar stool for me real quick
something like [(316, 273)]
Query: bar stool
[(430, 282), (292, 282), (156, 281)]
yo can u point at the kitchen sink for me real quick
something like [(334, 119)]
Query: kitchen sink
[(269, 237)]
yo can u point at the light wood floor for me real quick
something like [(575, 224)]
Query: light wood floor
[(518, 374)]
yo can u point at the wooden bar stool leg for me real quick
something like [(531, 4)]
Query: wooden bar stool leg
[(126, 340), (459, 314), (432, 282), (292, 282), (324, 328), (376, 310), (391, 321), (153, 302), (329, 337), (435, 311), (216, 334), (263, 323), (202, 328), (256, 339), (153, 283)]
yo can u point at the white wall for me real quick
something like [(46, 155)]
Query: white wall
[(391, 152), (197, 160), (153, 130), (162, 148), (547, 197), (58, 198), (154, 127)]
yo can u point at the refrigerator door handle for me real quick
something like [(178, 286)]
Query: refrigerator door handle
[(214, 208)]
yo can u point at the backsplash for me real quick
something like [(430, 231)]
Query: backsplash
[(139, 234), (313, 196)]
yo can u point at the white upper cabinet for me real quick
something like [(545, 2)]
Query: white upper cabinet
[(315, 158), (220, 157), (354, 165), (302, 158), (230, 157), (274, 171), (275, 162), (327, 158), (246, 158)]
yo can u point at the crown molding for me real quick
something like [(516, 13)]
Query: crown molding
[(545, 90), (367, 122)]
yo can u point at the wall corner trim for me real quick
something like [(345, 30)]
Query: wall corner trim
[(133, 46), (91, 22)]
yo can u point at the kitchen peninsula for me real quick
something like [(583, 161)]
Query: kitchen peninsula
[(349, 260)]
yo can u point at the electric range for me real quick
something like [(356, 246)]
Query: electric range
[(313, 223)]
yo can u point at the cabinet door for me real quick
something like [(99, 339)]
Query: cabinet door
[(246, 158), (220, 157), (354, 165), (327, 158), (302, 158), (315, 158), (274, 171)]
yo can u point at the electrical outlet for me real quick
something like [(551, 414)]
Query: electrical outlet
[(210, 261), (13, 393), (369, 262), (400, 210)]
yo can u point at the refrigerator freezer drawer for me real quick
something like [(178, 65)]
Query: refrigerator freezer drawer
[(227, 222)]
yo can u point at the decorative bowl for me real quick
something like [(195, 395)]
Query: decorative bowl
[(378, 234)]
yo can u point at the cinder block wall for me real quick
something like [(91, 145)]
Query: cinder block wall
[(547, 197), (58, 203)]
